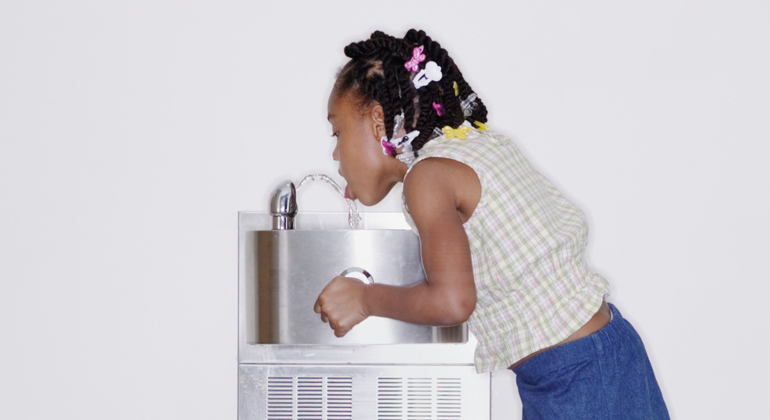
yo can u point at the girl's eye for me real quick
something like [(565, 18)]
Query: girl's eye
[(336, 135)]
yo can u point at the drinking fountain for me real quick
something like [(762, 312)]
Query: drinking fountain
[(290, 363)]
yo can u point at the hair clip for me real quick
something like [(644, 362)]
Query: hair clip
[(388, 148), (458, 133), (480, 125), (469, 105), (436, 133), (439, 109), (388, 145), (407, 154), (431, 73), (457, 88), (417, 57), (398, 122), (406, 141)]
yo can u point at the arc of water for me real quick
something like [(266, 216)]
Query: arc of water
[(354, 219)]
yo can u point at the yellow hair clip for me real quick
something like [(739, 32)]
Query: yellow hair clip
[(480, 125), (458, 133), (457, 88)]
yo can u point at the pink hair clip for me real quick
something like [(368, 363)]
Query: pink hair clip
[(388, 148), (439, 109), (417, 57)]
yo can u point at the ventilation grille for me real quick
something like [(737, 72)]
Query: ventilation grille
[(339, 398), (280, 398), (419, 403), (418, 398), (390, 398), (448, 397), (309, 398), (310, 393)]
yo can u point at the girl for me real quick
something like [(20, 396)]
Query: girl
[(501, 246)]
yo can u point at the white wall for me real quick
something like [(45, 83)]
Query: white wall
[(131, 134)]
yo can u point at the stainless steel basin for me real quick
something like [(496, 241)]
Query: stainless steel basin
[(281, 273), (295, 266)]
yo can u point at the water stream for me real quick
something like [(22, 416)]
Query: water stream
[(354, 219)]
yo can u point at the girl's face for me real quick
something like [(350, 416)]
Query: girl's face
[(369, 172)]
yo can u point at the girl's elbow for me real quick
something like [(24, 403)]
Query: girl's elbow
[(467, 310), (461, 311)]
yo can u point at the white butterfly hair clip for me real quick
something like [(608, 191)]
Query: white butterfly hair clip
[(389, 146), (431, 73)]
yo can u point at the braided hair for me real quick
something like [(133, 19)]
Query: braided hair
[(376, 72)]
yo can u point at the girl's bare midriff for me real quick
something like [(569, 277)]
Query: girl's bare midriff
[(597, 322)]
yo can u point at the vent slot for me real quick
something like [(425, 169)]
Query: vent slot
[(280, 398), (314, 397), (448, 398), (339, 398), (419, 398), (390, 399), (310, 398)]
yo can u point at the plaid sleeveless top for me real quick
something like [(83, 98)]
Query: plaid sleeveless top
[(527, 241)]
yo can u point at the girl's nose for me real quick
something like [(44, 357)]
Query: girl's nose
[(336, 153)]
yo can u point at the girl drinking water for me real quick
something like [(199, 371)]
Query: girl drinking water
[(501, 247)]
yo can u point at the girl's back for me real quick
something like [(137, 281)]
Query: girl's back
[(527, 243)]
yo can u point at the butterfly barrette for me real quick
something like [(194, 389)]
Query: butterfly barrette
[(455, 133), (417, 57)]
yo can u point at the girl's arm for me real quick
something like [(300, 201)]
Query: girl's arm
[(441, 194)]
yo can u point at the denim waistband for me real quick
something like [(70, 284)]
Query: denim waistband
[(575, 351)]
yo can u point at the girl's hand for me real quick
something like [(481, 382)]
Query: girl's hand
[(341, 304)]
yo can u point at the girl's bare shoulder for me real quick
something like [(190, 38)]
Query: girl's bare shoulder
[(442, 182)]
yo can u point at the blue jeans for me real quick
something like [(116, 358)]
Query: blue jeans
[(605, 375)]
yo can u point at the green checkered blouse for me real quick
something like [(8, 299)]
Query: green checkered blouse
[(527, 241)]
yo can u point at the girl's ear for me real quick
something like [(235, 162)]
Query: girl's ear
[(377, 119)]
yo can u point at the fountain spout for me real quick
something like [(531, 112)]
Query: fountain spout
[(283, 206)]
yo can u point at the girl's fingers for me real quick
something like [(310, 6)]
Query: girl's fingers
[(324, 318)]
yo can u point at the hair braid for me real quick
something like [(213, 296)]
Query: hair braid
[(376, 72)]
